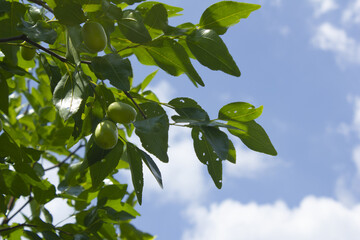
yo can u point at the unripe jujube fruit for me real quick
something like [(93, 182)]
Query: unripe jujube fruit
[(27, 53), (121, 112), (106, 134), (94, 36)]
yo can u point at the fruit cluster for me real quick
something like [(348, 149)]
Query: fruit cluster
[(106, 134)]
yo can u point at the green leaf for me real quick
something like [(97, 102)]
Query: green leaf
[(114, 68), (152, 167), (146, 6), (210, 50), (52, 71), (44, 196), (69, 13), (188, 109), (73, 42), (218, 141), (253, 136), (106, 165), (4, 93), (132, 26), (128, 232), (157, 17), (207, 155), (224, 14), (112, 192), (170, 56), (136, 169), (148, 79), (39, 32), (70, 92), (153, 131), (239, 111), (232, 153)]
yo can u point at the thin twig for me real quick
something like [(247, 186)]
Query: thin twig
[(43, 4), (17, 226), (7, 219), (137, 106), (67, 158)]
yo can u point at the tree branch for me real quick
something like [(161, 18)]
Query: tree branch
[(43, 4), (67, 158), (7, 219), (17, 226), (28, 40), (137, 106)]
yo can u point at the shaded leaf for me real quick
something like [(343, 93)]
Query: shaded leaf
[(210, 50), (114, 68), (188, 109), (157, 17), (132, 26), (207, 155), (4, 93), (153, 131), (152, 166), (170, 56), (39, 32), (69, 13), (135, 163), (146, 6)]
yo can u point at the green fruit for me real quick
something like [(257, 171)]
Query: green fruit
[(94, 36), (121, 112), (106, 134), (35, 14), (27, 53)]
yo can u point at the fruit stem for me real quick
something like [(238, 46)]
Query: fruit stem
[(136, 105)]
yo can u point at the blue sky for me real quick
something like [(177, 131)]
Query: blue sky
[(300, 60)]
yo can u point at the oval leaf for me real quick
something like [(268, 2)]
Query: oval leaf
[(239, 111)]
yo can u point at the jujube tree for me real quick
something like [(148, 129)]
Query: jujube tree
[(63, 103)]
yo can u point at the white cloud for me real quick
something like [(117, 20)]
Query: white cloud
[(346, 128), (163, 90), (184, 177), (352, 13), (330, 38), (323, 6), (315, 218), (250, 164)]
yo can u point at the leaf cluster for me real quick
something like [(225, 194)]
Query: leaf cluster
[(50, 107)]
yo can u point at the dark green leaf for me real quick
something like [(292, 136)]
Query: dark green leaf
[(188, 109), (152, 166), (132, 26), (253, 136), (69, 13), (218, 141), (39, 32), (136, 169), (70, 93), (52, 71), (128, 231), (232, 153), (114, 68), (239, 111), (157, 17), (210, 50), (207, 155), (153, 131), (224, 14), (112, 192), (44, 196), (4, 93), (146, 6), (73, 42), (105, 165), (170, 56)]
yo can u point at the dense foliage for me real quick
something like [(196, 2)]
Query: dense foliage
[(56, 84)]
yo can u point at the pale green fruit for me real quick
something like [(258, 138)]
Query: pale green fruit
[(121, 112), (27, 53), (106, 134), (94, 36)]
